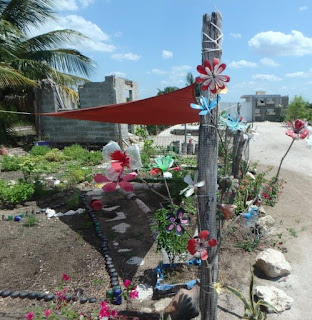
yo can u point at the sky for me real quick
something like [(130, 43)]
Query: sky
[(267, 45)]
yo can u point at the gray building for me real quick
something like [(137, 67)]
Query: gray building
[(266, 107)]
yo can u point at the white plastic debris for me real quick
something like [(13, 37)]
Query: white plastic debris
[(50, 213)]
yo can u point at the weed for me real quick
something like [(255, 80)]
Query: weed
[(292, 232), (249, 245), (74, 201), (98, 282), (31, 221)]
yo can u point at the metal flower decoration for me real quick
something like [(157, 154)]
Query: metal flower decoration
[(210, 76), (199, 245), (204, 105), (297, 130), (177, 221)]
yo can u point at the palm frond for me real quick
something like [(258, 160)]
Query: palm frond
[(71, 93), (67, 79), (53, 39), (24, 14), (64, 60), (11, 77)]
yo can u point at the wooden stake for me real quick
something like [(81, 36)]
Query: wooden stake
[(207, 166)]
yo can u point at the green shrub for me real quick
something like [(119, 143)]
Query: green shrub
[(9, 163), (75, 152), (12, 194), (31, 221), (39, 150), (298, 109), (74, 201), (92, 158), (55, 155), (74, 174)]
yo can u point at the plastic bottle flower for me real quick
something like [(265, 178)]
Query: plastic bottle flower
[(177, 221), (192, 184), (204, 105), (199, 245), (228, 210), (210, 76), (297, 130), (121, 180), (119, 160), (234, 124), (163, 165)]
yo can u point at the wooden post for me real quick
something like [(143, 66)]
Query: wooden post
[(207, 166)]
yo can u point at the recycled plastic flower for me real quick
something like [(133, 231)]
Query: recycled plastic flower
[(204, 105), (228, 210), (297, 130), (199, 245), (119, 160), (177, 221), (234, 124), (192, 184), (210, 76), (121, 180), (163, 165)]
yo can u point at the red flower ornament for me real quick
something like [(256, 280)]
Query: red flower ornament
[(210, 77), (96, 205), (297, 130), (199, 245)]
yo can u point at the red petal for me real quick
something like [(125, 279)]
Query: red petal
[(207, 64), (100, 178), (110, 187), (117, 166), (221, 68), (299, 124), (192, 246), (199, 80), (215, 62), (127, 186), (175, 168), (204, 254), (203, 234), (212, 242), (290, 133), (130, 176), (201, 69), (304, 134), (155, 171)]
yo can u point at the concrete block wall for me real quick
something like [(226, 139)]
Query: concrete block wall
[(60, 130)]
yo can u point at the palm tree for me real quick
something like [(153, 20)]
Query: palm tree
[(24, 60), (166, 90)]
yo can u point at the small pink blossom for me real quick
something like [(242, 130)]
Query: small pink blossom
[(65, 277), (127, 283), (47, 312), (29, 315), (134, 294), (114, 313)]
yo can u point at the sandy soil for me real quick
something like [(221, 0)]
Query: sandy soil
[(292, 211)]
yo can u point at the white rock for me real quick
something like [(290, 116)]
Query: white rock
[(50, 213), (80, 211), (162, 304), (274, 296), (145, 291), (124, 250), (120, 216), (70, 213), (111, 208), (121, 227), (59, 214), (273, 263), (136, 260), (266, 222)]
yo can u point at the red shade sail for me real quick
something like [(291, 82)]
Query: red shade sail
[(171, 108)]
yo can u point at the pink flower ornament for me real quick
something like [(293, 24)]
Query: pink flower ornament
[(199, 245), (210, 76), (297, 130)]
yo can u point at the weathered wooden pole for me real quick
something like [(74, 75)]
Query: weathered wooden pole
[(207, 166)]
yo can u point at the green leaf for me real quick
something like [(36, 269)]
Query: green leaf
[(239, 295), (266, 305)]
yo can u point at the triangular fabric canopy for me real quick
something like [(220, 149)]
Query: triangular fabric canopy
[(171, 108)]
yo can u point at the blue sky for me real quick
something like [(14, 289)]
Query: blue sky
[(267, 45)]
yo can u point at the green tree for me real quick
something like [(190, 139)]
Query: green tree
[(166, 90), (298, 109)]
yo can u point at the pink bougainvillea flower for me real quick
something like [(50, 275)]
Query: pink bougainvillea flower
[(177, 221), (122, 181), (127, 283), (65, 277), (47, 312), (114, 313), (134, 294), (210, 76), (297, 130), (29, 316), (199, 245), (96, 205)]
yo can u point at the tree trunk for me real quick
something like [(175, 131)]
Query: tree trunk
[(207, 166)]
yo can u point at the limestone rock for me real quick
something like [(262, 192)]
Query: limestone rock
[(184, 305), (265, 223), (274, 296), (273, 263), (161, 304)]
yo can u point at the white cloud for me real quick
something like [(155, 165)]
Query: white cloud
[(118, 74), (265, 77), (299, 74), (236, 35), (158, 71), (303, 8), (126, 56), (166, 54), (72, 5), (281, 44), (242, 64), (177, 76), (268, 62)]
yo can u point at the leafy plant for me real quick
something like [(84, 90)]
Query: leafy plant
[(252, 309), (39, 150), (249, 244), (55, 155), (174, 245), (31, 221), (12, 194), (74, 201), (27, 167), (9, 163), (74, 152)]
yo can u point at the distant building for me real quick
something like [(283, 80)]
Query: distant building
[(266, 106)]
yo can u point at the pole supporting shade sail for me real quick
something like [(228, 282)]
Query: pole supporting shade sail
[(168, 109)]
